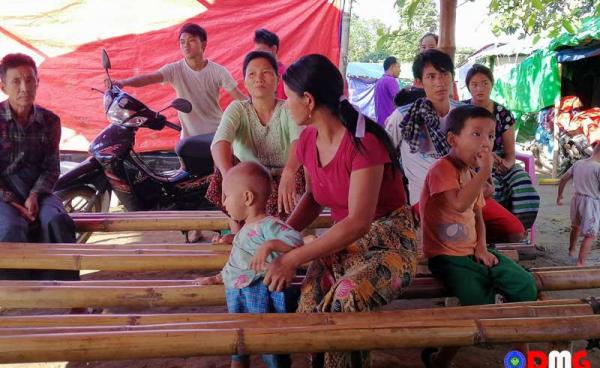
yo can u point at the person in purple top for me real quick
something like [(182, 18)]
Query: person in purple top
[(386, 88)]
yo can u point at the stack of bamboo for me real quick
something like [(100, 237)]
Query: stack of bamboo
[(106, 337), (173, 293)]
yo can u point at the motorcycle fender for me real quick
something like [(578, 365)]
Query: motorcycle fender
[(89, 172)]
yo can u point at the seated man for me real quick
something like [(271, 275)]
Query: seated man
[(418, 133), (29, 168)]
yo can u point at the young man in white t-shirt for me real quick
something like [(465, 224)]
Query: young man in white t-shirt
[(433, 71), (194, 78)]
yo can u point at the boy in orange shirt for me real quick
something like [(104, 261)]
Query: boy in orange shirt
[(452, 223)]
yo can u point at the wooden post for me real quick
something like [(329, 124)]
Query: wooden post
[(447, 27), (345, 39)]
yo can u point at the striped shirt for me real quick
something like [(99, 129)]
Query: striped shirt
[(29, 154)]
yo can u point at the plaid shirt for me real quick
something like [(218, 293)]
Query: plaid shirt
[(31, 151)]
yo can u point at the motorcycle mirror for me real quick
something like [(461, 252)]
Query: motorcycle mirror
[(105, 60), (181, 104), (106, 65)]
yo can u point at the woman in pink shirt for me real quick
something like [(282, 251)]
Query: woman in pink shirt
[(368, 256)]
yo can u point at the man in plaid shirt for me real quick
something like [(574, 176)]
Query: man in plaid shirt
[(29, 167)]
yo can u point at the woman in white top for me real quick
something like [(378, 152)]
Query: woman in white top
[(259, 129)]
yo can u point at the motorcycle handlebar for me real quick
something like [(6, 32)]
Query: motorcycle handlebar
[(173, 126)]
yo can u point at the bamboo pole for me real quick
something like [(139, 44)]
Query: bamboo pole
[(168, 246), (361, 335), (126, 222), (147, 296), (115, 262), (546, 308), (293, 320), (563, 268), (110, 296), (31, 294), (137, 214), (567, 279), (107, 252), (78, 257)]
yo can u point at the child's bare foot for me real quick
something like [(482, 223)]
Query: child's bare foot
[(210, 280), (225, 239)]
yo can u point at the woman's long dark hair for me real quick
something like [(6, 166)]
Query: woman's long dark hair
[(317, 75)]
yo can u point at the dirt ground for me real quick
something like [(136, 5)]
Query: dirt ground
[(552, 234)]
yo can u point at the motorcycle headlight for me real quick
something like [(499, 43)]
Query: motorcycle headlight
[(121, 116), (135, 122), (117, 115)]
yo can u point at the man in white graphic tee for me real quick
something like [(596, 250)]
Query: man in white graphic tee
[(199, 81)]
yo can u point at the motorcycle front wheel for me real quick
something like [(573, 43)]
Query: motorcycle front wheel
[(82, 199)]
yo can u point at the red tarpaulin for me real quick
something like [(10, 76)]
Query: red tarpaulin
[(65, 38)]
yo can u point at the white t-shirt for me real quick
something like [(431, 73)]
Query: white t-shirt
[(586, 177), (415, 165), (201, 88)]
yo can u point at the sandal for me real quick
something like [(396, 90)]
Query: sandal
[(427, 356)]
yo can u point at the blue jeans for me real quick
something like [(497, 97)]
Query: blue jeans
[(256, 298), (53, 226)]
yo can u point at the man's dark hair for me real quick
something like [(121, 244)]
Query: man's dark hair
[(10, 61), (434, 57), (266, 37), (429, 34), (479, 69), (388, 62), (458, 116), (194, 30), (408, 95), (260, 55)]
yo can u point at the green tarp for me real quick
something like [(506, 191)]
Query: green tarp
[(535, 83)]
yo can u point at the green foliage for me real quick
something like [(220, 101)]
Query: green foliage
[(461, 54), (363, 40), (540, 18), (416, 19), (371, 41)]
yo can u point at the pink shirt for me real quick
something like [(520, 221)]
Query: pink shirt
[(330, 184)]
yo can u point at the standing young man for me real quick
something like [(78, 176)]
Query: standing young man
[(386, 89), (194, 78), (29, 168), (265, 40), (419, 133)]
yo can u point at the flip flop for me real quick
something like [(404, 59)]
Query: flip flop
[(427, 356)]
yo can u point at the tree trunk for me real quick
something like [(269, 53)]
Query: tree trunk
[(447, 41)]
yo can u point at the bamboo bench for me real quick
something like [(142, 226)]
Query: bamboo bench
[(26, 339), (180, 293)]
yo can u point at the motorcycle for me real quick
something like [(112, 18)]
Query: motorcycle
[(572, 149), (114, 166)]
